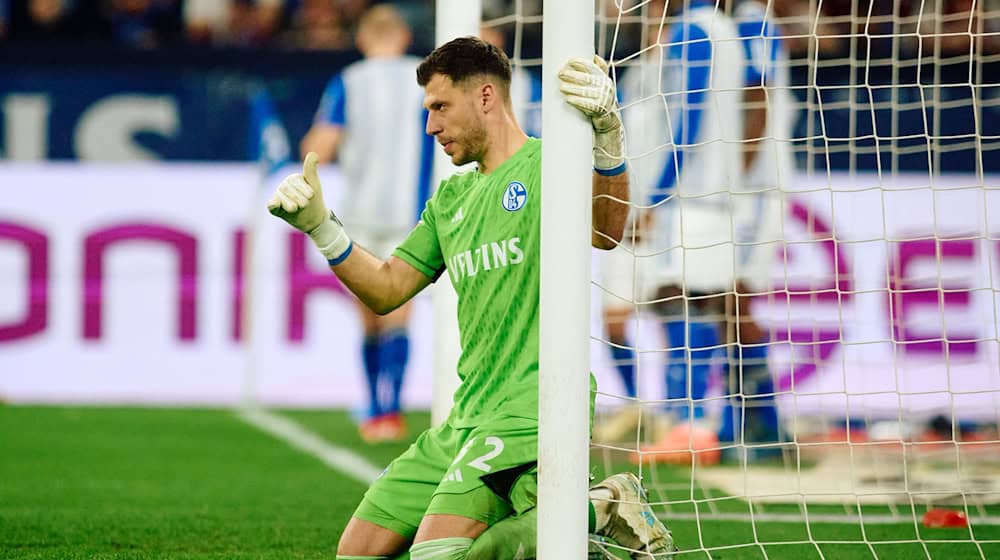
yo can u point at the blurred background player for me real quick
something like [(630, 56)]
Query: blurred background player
[(619, 300), (768, 164), (701, 77), (752, 213), (625, 268), (371, 114)]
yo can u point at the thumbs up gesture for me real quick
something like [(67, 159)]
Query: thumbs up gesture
[(299, 201), (299, 198)]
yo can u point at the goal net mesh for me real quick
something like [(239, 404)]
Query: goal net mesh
[(797, 344)]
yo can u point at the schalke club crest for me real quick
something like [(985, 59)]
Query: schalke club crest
[(514, 197)]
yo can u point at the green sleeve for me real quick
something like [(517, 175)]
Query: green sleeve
[(421, 249)]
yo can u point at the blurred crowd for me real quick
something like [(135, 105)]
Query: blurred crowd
[(931, 26), (149, 24), (942, 25), (843, 28)]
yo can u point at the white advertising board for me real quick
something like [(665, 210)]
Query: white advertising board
[(121, 284)]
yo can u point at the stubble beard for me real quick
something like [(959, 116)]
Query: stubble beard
[(474, 144)]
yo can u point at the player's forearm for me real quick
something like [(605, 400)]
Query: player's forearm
[(587, 87), (381, 285), (610, 209), (322, 139), (755, 119)]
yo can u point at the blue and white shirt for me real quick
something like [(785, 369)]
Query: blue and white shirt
[(767, 65), (385, 154), (683, 110)]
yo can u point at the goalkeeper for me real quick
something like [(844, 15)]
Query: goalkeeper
[(458, 480)]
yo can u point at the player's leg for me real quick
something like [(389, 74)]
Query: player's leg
[(394, 352), (619, 275), (751, 415), (387, 520), (685, 260), (623, 422), (670, 311), (479, 488), (707, 273), (515, 537), (446, 537), (363, 539), (677, 367), (693, 344), (370, 357), (692, 338), (622, 350), (705, 330), (485, 502), (511, 537)]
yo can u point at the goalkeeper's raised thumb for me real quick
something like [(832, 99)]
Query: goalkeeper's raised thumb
[(309, 171), (299, 201)]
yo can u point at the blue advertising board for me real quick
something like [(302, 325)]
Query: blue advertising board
[(194, 105), (174, 105)]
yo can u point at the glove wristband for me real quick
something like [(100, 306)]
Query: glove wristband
[(613, 171), (331, 240), (608, 149)]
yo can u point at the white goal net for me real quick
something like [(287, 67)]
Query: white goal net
[(797, 346)]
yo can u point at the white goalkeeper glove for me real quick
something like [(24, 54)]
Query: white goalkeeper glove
[(299, 201), (588, 87)]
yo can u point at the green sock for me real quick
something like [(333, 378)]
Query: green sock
[(453, 548), (511, 537), (515, 537)]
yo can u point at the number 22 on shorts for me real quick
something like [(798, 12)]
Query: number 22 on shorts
[(495, 448)]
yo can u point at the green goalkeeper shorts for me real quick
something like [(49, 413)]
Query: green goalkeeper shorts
[(484, 473)]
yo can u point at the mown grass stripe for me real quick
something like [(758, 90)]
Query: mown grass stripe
[(342, 460)]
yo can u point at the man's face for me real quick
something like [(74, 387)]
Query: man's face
[(454, 119)]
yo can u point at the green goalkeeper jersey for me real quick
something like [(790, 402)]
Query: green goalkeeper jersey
[(484, 229)]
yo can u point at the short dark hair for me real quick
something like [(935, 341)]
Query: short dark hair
[(463, 58)]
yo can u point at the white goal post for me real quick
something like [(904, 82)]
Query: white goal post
[(564, 310)]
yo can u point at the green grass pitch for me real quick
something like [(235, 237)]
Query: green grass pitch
[(198, 484)]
